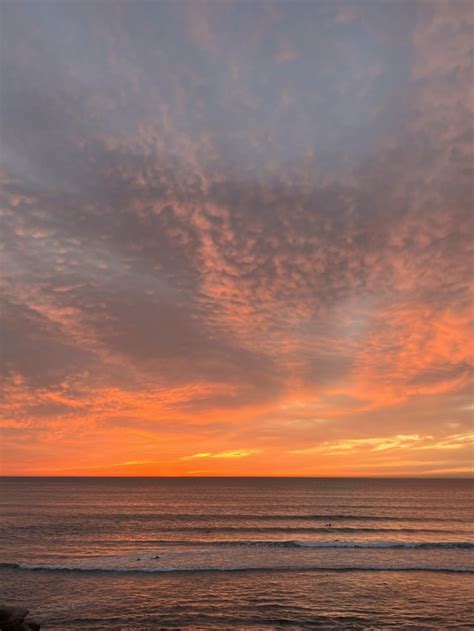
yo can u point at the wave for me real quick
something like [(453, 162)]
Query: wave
[(365, 544), (426, 545), (290, 517), (309, 529), (200, 531), (362, 568), (460, 545), (219, 517)]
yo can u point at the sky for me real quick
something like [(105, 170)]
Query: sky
[(237, 238)]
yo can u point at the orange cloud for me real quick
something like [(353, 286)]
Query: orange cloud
[(234, 453)]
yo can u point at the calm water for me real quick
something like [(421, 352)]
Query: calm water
[(239, 553)]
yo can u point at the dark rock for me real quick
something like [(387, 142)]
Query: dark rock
[(12, 614), (13, 619)]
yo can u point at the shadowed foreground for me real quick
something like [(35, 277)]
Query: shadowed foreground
[(13, 619)]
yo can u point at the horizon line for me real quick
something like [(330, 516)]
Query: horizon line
[(248, 477)]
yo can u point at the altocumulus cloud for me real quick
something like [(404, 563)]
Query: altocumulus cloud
[(223, 222)]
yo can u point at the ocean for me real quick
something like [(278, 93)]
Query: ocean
[(238, 553)]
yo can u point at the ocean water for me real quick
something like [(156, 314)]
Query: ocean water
[(245, 553)]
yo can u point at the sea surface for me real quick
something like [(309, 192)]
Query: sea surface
[(238, 553)]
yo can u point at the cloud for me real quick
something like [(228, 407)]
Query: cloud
[(360, 444), (392, 455), (223, 224), (235, 453)]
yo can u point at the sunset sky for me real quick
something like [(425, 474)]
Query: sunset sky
[(237, 238)]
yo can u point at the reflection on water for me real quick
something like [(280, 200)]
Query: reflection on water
[(287, 538)]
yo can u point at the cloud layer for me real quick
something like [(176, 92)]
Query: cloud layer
[(237, 234)]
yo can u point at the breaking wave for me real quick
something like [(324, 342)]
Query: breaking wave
[(163, 570)]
